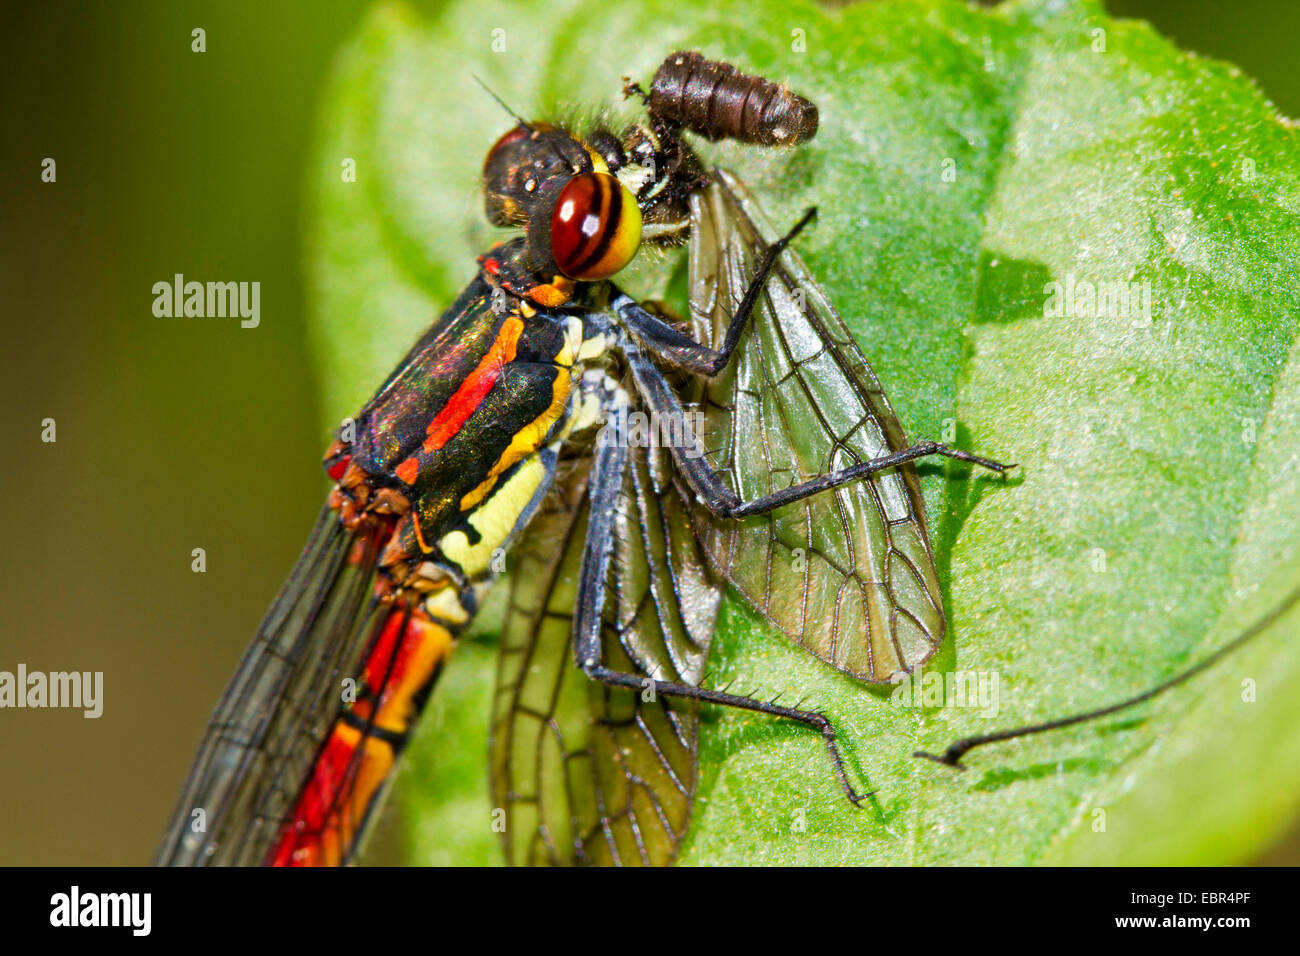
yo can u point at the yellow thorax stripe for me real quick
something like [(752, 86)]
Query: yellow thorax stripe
[(525, 441), (494, 520)]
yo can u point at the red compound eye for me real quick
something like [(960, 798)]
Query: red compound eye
[(596, 228)]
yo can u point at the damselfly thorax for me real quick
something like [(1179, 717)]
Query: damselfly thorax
[(461, 444)]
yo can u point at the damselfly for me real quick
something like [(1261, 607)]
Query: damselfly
[(512, 426)]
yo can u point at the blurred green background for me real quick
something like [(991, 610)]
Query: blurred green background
[(176, 434)]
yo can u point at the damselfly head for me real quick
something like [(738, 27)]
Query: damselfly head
[(587, 202)]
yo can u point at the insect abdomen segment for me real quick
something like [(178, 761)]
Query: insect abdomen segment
[(367, 738), (717, 101)]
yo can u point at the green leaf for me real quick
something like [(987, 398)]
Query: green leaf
[(967, 159)]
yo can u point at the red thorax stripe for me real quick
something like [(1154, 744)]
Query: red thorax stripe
[(476, 385)]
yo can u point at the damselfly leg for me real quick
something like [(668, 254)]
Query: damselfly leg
[(683, 351), (660, 397), (606, 482)]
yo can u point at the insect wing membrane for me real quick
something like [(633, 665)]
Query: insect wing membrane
[(589, 773), (265, 733), (847, 574)]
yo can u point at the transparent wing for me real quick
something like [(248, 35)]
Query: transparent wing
[(588, 773), (847, 574), (265, 734)]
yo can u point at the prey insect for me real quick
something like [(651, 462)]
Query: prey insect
[(507, 427)]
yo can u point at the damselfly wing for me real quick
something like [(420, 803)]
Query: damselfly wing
[(585, 772), (847, 574), (266, 731)]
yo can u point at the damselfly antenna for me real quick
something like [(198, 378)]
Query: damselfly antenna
[(523, 123), (959, 748), (502, 103)]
